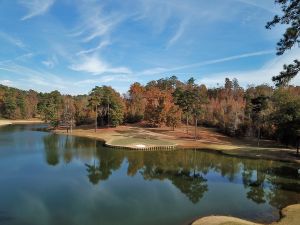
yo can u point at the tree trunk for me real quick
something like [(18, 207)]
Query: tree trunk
[(196, 121), (108, 115), (96, 119), (298, 145), (187, 124), (258, 137)]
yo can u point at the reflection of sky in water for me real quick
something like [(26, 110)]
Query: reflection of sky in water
[(52, 179)]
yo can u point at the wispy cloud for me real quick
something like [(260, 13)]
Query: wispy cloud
[(36, 7), (256, 77), (95, 23), (178, 34), (193, 13), (96, 66), (101, 45), (50, 62), (21, 58), (25, 57), (207, 62), (34, 79), (265, 5), (12, 40), (104, 79)]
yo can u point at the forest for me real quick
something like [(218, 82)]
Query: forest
[(256, 111)]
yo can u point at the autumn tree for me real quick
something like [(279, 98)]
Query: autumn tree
[(135, 103), (83, 111), (31, 102), (67, 117), (155, 107), (160, 107), (173, 117)]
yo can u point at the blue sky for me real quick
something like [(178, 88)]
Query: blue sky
[(74, 45)]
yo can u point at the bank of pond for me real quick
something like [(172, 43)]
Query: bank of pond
[(48, 178)]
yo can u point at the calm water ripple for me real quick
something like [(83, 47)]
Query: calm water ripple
[(54, 179)]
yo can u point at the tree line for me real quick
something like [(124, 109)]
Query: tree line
[(257, 111)]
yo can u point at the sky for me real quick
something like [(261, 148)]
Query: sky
[(74, 45)]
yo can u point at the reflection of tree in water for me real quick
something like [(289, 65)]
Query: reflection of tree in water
[(66, 147), (283, 189), (51, 143), (277, 185), (253, 178), (107, 163), (94, 174), (68, 155), (264, 181), (193, 185), (187, 170)]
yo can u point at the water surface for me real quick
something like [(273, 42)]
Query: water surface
[(56, 179)]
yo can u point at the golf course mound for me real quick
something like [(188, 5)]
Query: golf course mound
[(144, 144)]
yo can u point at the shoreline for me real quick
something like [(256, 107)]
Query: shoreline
[(4, 122), (290, 215), (121, 137)]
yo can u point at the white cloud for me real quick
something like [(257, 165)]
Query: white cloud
[(256, 77), (12, 40), (36, 7), (6, 82), (96, 66)]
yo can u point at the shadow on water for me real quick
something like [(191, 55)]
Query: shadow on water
[(188, 170), (4, 218)]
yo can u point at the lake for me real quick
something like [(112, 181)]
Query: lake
[(55, 179)]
